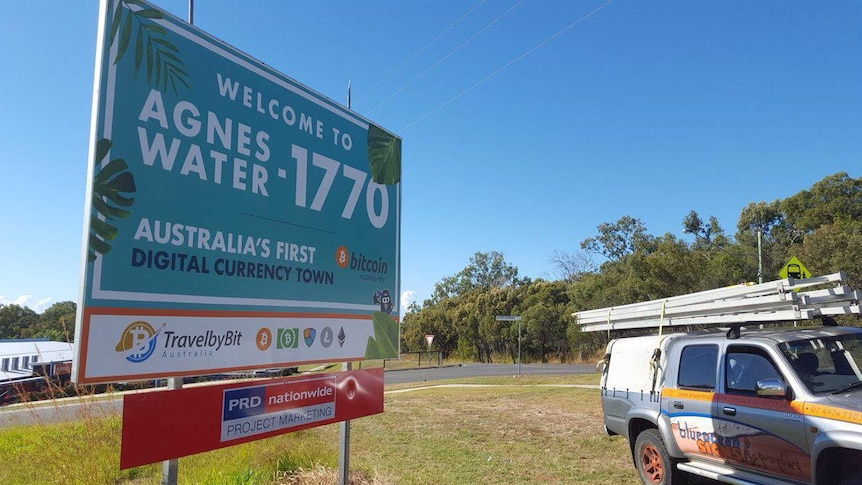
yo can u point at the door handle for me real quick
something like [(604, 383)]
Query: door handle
[(678, 405), (730, 411)]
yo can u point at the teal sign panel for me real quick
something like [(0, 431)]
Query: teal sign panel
[(220, 187)]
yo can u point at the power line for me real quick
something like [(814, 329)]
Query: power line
[(422, 49), (505, 66), (426, 71)]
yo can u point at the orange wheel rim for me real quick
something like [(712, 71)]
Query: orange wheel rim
[(651, 464)]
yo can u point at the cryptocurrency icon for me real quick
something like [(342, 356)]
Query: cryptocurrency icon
[(342, 257), (264, 339)]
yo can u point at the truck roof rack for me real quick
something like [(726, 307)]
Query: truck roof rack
[(774, 301)]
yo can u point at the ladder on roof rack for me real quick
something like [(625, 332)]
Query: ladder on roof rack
[(774, 301)]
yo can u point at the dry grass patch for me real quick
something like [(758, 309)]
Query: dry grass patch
[(321, 475), (517, 433)]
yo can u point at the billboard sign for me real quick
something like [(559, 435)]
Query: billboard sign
[(234, 218), (193, 420)]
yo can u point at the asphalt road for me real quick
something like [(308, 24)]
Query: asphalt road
[(483, 370), (71, 409)]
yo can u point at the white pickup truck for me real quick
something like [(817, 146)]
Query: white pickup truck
[(745, 405), (766, 407)]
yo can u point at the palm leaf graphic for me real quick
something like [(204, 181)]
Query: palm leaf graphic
[(384, 156), (112, 185), (153, 51), (384, 343)]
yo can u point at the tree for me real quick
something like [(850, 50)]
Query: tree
[(672, 269), (57, 322), (721, 262), (758, 216), (546, 316), (429, 320), (732, 265), (485, 271), (786, 224), (445, 288), (776, 236), (705, 235), (570, 267), (837, 197), (16, 321), (494, 336), (619, 239), (822, 226), (488, 270), (835, 247), (585, 345)]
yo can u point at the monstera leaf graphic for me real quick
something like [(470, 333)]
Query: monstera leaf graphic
[(384, 343), (111, 185), (384, 156), (151, 44)]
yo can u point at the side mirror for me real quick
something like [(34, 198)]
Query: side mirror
[(771, 388)]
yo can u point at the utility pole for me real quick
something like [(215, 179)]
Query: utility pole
[(759, 256)]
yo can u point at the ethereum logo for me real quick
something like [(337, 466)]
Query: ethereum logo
[(341, 337)]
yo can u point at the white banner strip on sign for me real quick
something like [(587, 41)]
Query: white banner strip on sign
[(286, 419), (127, 347)]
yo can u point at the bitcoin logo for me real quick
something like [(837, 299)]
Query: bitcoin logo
[(288, 338), (138, 341), (342, 257), (264, 339)]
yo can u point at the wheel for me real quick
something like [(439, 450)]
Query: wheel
[(654, 465), (851, 470)]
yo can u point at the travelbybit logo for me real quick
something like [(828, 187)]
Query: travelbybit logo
[(209, 339), (138, 341), (198, 345)]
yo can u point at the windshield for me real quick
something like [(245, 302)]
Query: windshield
[(826, 364)]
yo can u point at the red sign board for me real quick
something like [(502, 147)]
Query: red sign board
[(164, 425)]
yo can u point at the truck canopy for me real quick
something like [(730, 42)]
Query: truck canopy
[(630, 363)]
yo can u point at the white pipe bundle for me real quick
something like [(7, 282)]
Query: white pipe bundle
[(775, 301)]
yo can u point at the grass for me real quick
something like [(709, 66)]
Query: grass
[(527, 430), (516, 431)]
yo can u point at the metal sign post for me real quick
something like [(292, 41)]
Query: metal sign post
[(344, 443), (507, 318), (344, 426), (170, 467)]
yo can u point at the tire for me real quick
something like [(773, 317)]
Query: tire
[(851, 470), (655, 466)]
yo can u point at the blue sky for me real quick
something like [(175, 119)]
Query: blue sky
[(645, 108)]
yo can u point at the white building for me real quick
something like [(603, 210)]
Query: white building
[(18, 356)]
